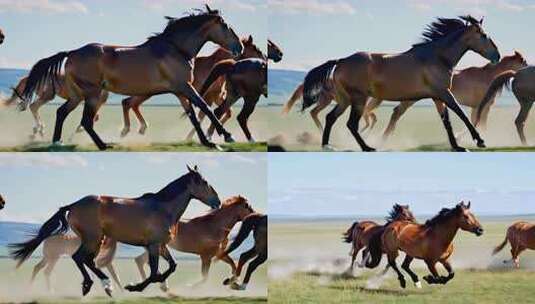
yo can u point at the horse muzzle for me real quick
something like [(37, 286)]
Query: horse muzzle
[(494, 58), (214, 203), (478, 231)]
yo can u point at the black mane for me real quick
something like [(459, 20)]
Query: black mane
[(443, 215), (394, 213), (443, 27), (193, 20)]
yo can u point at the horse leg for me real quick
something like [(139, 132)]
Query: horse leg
[(79, 258), (443, 112), (357, 108), (200, 117), (143, 125), (88, 119), (392, 263), (260, 259), (406, 266), (330, 119), (243, 117), (368, 111), (434, 278), (48, 272), (206, 261), (398, 111), (230, 99), (196, 125), (322, 104), (366, 255), (154, 254), (114, 276), (244, 257), (162, 278), (141, 260), (126, 116), (61, 114), (38, 268), (39, 125), (227, 259), (451, 103), (516, 255), (448, 268), (525, 107)]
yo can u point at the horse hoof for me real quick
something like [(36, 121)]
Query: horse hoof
[(124, 132), (481, 144), (236, 286), (228, 138), (418, 285), (328, 148), (108, 288), (142, 131), (86, 287), (164, 286), (460, 149), (368, 149), (227, 281), (252, 141), (131, 288)]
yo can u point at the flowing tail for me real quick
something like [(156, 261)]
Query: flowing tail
[(47, 69), (375, 246), (315, 82), (56, 225), (106, 253), (16, 96), (348, 235), (500, 247), (298, 93), (220, 69), (497, 84)]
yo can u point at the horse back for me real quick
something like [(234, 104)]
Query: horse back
[(522, 234)]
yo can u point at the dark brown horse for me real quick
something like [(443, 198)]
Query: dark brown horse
[(274, 51), (161, 65), (245, 78), (2, 36), (258, 223), (431, 242), (384, 76), (2, 202), (144, 221), (521, 236)]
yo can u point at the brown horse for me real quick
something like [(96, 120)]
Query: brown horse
[(161, 65), (521, 236), (469, 86), (524, 90), (201, 69), (431, 242), (144, 221), (360, 233), (57, 246), (274, 52), (258, 223), (46, 93), (383, 76), (206, 235), (245, 78)]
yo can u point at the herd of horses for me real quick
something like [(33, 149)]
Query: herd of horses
[(167, 63), (362, 81), (431, 242), (151, 221)]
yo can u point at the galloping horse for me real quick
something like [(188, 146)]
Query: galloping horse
[(523, 85), (206, 235), (163, 64), (201, 69), (46, 93), (383, 76), (258, 223), (360, 233), (245, 78), (143, 221), (431, 242), (521, 236), (274, 51)]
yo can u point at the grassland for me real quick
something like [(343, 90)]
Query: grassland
[(308, 258), (167, 131)]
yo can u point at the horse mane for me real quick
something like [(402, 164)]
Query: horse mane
[(234, 200), (443, 27), (394, 214), (444, 215), (169, 192), (192, 21)]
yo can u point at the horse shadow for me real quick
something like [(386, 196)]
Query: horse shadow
[(382, 291), (334, 276)]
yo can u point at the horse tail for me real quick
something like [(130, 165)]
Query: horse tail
[(47, 69), (247, 226), (315, 82), (502, 244), (349, 236), (106, 253), (16, 96), (221, 68), (56, 225), (375, 247), (297, 94), (497, 84)]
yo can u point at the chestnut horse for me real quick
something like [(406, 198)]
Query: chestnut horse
[(245, 78), (521, 236), (144, 221), (360, 233), (431, 242), (383, 76), (161, 65), (201, 68), (46, 93), (258, 223), (206, 235), (523, 86), (274, 52)]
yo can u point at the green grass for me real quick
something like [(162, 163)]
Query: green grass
[(162, 300)]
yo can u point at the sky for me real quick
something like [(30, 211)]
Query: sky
[(36, 29), (311, 32), (35, 185), (360, 184)]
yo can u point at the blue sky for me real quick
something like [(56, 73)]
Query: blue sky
[(313, 31), (40, 28), (35, 185), (353, 184)]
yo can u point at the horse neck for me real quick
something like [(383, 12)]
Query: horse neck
[(220, 54), (190, 43), (175, 197), (226, 217), (446, 230), (451, 49)]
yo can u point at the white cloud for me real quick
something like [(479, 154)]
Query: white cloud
[(51, 6), (311, 6), (45, 160), (241, 5), (473, 6)]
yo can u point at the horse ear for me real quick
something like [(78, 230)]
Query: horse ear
[(468, 206), (208, 9), (517, 53), (481, 20), (189, 168), (250, 39), (196, 168)]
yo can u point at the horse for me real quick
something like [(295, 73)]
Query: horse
[(383, 76), (144, 221), (524, 90), (360, 233), (2, 202), (245, 78), (521, 236), (46, 93), (202, 67), (2, 36), (469, 86), (161, 65), (206, 236), (59, 245), (431, 242), (257, 223), (274, 51)]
